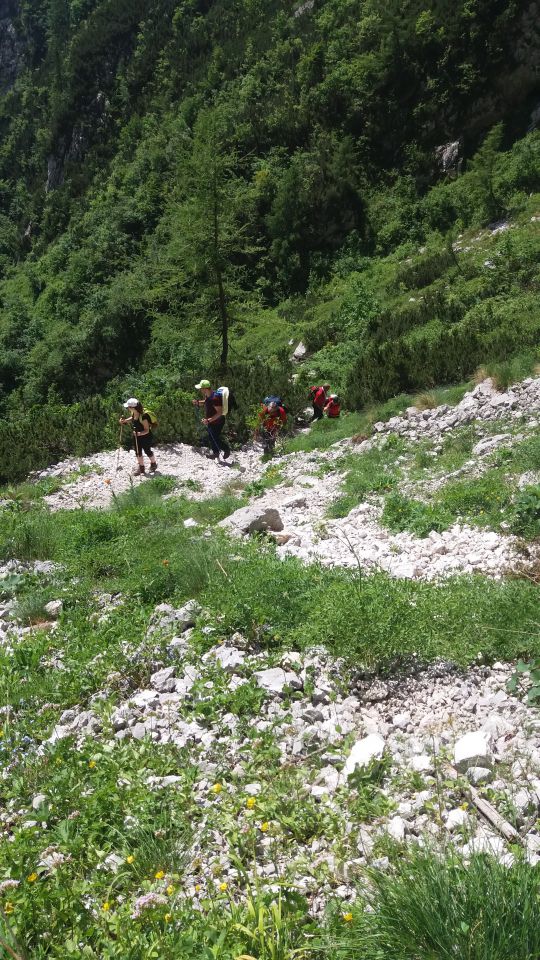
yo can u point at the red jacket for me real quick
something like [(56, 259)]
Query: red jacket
[(332, 408), (272, 420), (319, 397)]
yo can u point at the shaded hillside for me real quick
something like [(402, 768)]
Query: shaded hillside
[(171, 168)]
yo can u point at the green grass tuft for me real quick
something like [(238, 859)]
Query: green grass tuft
[(451, 914)]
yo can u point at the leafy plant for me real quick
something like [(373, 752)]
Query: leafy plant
[(529, 672), (524, 513)]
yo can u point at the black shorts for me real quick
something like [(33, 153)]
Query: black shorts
[(143, 444)]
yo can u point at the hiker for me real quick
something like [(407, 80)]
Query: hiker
[(318, 399), (141, 422), (214, 418), (272, 419), (332, 407)]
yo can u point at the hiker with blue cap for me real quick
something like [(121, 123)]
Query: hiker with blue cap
[(215, 403)]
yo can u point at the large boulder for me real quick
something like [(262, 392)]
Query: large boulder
[(300, 352), (254, 519)]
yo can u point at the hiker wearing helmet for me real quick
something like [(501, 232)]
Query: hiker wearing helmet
[(318, 399), (214, 418), (272, 419), (332, 407), (141, 424)]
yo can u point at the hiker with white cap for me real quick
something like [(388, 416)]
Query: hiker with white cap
[(332, 407), (214, 418), (141, 422)]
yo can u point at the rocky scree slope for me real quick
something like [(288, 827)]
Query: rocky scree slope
[(332, 770), (295, 510), (294, 770)]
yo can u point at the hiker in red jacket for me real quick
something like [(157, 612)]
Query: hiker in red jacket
[(318, 399), (272, 419), (332, 407)]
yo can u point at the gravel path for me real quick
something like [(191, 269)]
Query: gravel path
[(303, 496)]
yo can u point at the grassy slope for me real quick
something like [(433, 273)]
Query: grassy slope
[(141, 548)]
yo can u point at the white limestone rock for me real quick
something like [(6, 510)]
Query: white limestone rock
[(54, 608), (274, 680), (473, 750), (163, 680), (364, 752)]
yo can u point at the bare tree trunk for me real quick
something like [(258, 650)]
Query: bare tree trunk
[(224, 322), (221, 290)]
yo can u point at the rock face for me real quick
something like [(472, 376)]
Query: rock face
[(448, 155), (11, 44)]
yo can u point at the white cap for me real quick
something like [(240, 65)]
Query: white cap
[(132, 402)]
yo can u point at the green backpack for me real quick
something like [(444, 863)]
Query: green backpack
[(151, 417)]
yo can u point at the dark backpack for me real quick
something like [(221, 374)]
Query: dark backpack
[(277, 400)]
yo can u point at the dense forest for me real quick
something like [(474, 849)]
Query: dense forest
[(193, 184)]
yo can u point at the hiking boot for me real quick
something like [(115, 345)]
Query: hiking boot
[(153, 467), (138, 471)]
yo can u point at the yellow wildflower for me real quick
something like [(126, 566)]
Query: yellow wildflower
[(347, 917), (130, 859), (170, 889), (251, 803), (223, 887), (168, 917), (106, 907), (217, 788), (32, 877), (265, 827), (197, 888), (8, 907), (92, 764), (159, 875)]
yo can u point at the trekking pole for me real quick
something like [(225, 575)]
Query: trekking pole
[(119, 448), (213, 442)]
